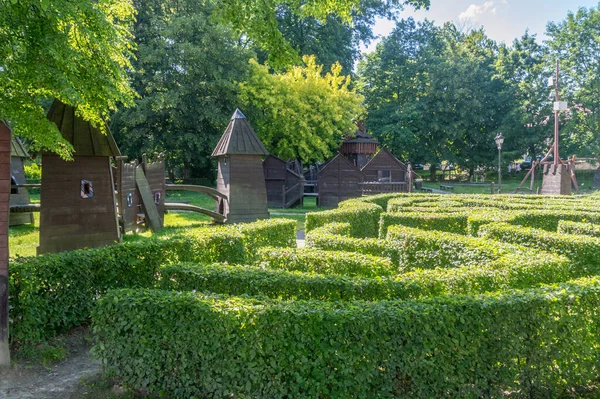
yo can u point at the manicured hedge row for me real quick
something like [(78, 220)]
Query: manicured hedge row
[(52, 293), (449, 222), (325, 262), (330, 238), (363, 218), (235, 280), (588, 229), (582, 250), (533, 344)]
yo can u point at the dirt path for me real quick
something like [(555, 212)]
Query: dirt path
[(34, 381)]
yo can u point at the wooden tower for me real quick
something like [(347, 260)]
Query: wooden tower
[(359, 149), (240, 175), (337, 181), (18, 195), (78, 197)]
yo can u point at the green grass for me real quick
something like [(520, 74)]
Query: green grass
[(23, 240), (508, 186)]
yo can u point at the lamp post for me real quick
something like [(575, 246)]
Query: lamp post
[(499, 141)]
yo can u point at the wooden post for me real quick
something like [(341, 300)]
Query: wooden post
[(493, 187), (5, 137)]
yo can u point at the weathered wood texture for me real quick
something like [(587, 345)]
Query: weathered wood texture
[(284, 186), (152, 217), (5, 169), (384, 161), (67, 220), (155, 174), (556, 181), (597, 179), (337, 181), (20, 195), (129, 197), (246, 190)]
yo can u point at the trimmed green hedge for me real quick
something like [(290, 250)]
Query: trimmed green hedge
[(582, 250), (235, 280), (537, 343), (449, 222), (334, 237), (588, 229), (325, 262), (363, 218), (52, 293)]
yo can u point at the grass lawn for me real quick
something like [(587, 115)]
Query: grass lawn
[(508, 186), (23, 240)]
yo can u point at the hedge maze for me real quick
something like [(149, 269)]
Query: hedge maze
[(395, 296)]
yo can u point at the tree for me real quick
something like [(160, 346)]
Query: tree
[(301, 113), (524, 67), (187, 69), (575, 42), (432, 94), (334, 39), (77, 51)]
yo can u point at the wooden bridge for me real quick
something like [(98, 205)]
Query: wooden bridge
[(211, 192)]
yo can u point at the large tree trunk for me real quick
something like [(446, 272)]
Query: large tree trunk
[(432, 172), (4, 209)]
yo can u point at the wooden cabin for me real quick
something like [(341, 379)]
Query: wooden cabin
[(338, 180), (18, 195), (284, 186), (359, 149), (240, 173), (385, 172), (78, 200)]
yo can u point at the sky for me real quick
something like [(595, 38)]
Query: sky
[(503, 20)]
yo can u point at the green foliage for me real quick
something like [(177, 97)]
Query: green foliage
[(269, 232), (588, 229), (76, 51), (301, 113), (325, 262), (187, 68), (33, 172), (363, 218), (52, 293), (193, 345), (581, 250), (234, 280), (449, 222)]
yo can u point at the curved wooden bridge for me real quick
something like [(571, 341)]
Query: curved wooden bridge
[(211, 192)]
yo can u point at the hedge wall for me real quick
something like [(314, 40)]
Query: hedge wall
[(325, 262), (363, 218), (588, 229), (533, 344), (449, 222), (52, 293)]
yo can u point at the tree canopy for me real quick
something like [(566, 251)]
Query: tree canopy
[(301, 113)]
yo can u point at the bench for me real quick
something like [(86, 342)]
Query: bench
[(426, 189), (446, 187)]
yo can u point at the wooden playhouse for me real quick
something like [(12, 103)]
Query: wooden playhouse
[(78, 197)]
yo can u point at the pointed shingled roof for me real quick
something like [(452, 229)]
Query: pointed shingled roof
[(17, 149), (361, 137), (239, 139), (85, 139)]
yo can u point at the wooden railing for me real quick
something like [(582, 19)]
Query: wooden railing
[(370, 188)]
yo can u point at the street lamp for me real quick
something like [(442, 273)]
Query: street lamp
[(499, 141)]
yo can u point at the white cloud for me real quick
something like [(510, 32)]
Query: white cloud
[(473, 12)]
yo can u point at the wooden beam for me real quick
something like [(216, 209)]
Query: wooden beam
[(150, 210), (5, 143), (178, 206)]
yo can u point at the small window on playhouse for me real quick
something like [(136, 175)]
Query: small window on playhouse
[(384, 175), (13, 183), (87, 189), (129, 200), (157, 198)]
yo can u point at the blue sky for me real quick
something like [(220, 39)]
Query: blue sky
[(503, 20)]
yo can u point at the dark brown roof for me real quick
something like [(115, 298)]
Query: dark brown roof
[(239, 138), (382, 152), (17, 149), (361, 137), (85, 139)]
